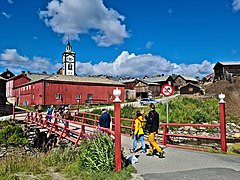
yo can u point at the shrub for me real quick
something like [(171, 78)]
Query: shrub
[(97, 152), (12, 134)]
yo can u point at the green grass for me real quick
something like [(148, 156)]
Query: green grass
[(93, 159)]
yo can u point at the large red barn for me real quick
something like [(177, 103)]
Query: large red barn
[(44, 89)]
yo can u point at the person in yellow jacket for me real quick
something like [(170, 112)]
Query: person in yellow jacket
[(138, 132)]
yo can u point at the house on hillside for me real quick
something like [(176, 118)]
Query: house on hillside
[(3, 99), (45, 89), (223, 69), (191, 89), (183, 80)]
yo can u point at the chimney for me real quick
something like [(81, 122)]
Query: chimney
[(29, 72), (23, 72)]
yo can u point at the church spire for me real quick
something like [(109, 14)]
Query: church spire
[(69, 47)]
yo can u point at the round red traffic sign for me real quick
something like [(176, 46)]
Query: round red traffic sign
[(167, 90)]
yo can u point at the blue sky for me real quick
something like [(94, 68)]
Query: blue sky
[(127, 37)]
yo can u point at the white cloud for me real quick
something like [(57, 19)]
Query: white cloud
[(125, 64), (236, 5), (10, 1), (141, 65), (149, 45), (73, 18), (12, 60), (35, 38), (6, 15)]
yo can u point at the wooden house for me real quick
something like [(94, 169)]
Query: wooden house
[(3, 99), (162, 80), (183, 80), (130, 93), (146, 89), (221, 69), (190, 89), (44, 89)]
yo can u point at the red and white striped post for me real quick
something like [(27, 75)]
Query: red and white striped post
[(117, 108), (222, 123)]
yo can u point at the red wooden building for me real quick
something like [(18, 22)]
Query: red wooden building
[(44, 89)]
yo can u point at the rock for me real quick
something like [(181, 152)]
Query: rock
[(236, 135)]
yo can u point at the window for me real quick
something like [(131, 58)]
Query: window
[(58, 96), (25, 103), (190, 89), (78, 96), (46, 84), (89, 98)]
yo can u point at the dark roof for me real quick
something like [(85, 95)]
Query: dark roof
[(7, 74), (190, 84)]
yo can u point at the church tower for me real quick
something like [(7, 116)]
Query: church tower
[(68, 61)]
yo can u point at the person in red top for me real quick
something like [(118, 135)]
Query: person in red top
[(138, 132)]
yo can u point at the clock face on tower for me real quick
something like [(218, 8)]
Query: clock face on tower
[(70, 58)]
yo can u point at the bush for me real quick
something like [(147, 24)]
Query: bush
[(12, 134), (97, 152)]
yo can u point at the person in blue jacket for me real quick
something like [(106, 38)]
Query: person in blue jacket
[(105, 119)]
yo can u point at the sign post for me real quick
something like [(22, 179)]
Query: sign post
[(167, 90)]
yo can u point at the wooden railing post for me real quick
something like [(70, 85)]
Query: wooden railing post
[(95, 120), (83, 121), (66, 127), (117, 108), (164, 139), (222, 123), (75, 117), (13, 110)]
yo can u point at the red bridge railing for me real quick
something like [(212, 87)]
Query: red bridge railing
[(72, 130)]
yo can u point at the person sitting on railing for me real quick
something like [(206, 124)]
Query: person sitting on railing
[(152, 127), (105, 119), (138, 132)]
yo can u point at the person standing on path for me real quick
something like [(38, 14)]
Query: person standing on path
[(50, 110), (152, 127), (105, 119), (138, 132)]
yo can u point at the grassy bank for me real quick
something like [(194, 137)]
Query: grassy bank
[(93, 159)]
